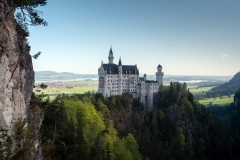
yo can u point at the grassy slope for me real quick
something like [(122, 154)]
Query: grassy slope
[(218, 101), (225, 100), (90, 86), (195, 89)]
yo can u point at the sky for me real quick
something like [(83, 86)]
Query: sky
[(187, 37)]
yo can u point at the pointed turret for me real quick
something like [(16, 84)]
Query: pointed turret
[(111, 57), (120, 62), (101, 69), (120, 77), (120, 66), (111, 52)]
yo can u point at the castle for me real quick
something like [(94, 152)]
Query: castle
[(117, 79)]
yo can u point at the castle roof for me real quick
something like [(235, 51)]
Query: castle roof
[(126, 69), (111, 52), (150, 81), (147, 81), (120, 62)]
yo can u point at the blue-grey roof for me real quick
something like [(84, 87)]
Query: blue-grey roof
[(147, 81), (111, 52), (120, 62), (150, 81), (126, 69)]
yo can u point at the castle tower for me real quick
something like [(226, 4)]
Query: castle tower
[(120, 77), (110, 57), (102, 80), (159, 74), (145, 77), (185, 86)]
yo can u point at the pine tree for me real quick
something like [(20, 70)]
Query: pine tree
[(28, 15)]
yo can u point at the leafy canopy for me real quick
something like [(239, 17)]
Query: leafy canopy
[(28, 15)]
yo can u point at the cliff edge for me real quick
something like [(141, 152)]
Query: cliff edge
[(16, 73)]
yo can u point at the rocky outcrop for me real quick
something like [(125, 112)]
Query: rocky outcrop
[(16, 72)]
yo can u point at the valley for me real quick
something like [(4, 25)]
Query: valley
[(88, 85)]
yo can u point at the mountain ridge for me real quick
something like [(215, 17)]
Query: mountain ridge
[(70, 75), (233, 84)]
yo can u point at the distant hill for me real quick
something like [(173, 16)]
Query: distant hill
[(233, 84), (51, 75)]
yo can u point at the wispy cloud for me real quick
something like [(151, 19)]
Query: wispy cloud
[(224, 56)]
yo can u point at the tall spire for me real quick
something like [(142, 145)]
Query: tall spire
[(110, 57), (120, 62), (111, 52)]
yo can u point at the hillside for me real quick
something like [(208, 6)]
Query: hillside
[(87, 126), (52, 75), (232, 85)]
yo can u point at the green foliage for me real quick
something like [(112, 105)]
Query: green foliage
[(43, 86), (5, 145), (132, 146), (179, 128), (187, 106), (100, 106), (28, 15), (19, 154), (181, 144), (83, 130), (237, 97), (170, 95), (127, 148)]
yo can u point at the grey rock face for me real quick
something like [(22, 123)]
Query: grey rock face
[(16, 71)]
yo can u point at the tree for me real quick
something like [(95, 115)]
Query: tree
[(81, 147), (132, 146), (181, 144), (28, 15), (100, 106), (5, 145)]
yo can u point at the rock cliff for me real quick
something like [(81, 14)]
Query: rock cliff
[(16, 73)]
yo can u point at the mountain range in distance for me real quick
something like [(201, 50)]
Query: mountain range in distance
[(68, 76)]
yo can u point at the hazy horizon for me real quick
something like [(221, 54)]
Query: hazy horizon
[(139, 74)]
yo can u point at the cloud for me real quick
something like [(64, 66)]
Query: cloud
[(224, 56)]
